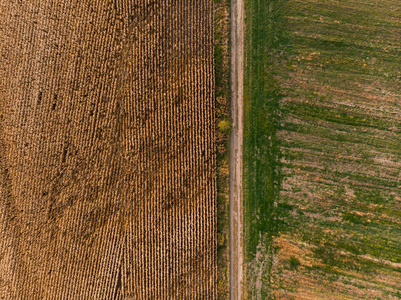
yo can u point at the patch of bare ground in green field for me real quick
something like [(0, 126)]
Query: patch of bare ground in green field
[(223, 123), (341, 139)]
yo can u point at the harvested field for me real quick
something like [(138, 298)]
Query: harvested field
[(322, 149), (107, 150), (341, 140)]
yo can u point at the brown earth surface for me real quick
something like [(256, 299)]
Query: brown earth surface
[(107, 158)]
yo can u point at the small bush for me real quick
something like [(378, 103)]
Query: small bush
[(224, 126), (294, 263)]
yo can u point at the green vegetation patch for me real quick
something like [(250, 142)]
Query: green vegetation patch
[(264, 43), (322, 147), (223, 128)]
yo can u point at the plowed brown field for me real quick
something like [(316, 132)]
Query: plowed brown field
[(107, 160)]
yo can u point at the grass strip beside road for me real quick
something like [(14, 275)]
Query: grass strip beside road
[(264, 43), (222, 87)]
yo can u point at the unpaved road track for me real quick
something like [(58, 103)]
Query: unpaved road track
[(236, 216)]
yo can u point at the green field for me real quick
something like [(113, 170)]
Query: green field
[(264, 45), (322, 149)]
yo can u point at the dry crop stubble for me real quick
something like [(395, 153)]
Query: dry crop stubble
[(107, 159)]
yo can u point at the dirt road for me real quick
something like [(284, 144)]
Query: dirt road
[(236, 216)]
